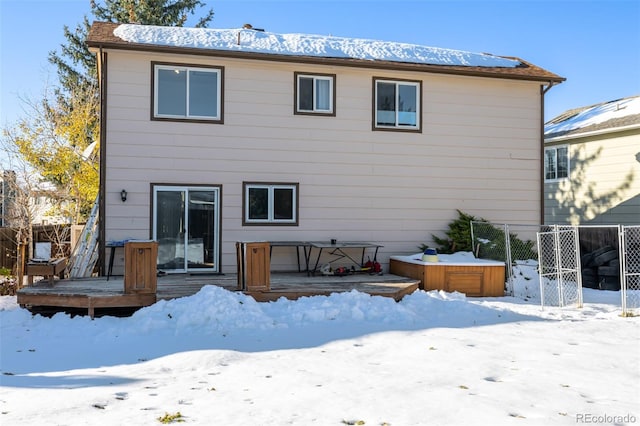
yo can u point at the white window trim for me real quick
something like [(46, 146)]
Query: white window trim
[(217, 71), (315, 77), (555, 159), (270, 213), (397, 83)]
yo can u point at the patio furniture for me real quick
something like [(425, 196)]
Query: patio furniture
[(306, 246), (337, 248), (46, 268)]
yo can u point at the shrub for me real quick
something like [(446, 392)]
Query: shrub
[(8, 283), (458, 236), (489, 241)]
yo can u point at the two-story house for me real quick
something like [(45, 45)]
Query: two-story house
[(213, 136)]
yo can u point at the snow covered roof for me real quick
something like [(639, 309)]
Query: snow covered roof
[(258, 44), (602, 117), (249, 40)]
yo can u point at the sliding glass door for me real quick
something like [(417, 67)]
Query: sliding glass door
[(186, 226)]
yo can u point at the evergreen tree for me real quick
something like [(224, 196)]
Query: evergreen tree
[(77, 66), (58, 139), (458, 237)]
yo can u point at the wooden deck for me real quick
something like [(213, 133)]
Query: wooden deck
[(96, 296)]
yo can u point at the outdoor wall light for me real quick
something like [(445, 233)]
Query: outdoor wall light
[(123, 195)]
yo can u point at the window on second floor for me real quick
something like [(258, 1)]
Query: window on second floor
[(315, 94), (556, 163), (187, 92), (270, 203), (396, 104)]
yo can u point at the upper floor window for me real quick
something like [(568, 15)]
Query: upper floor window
[(270, 204), (315, 93), (187, 92), (397, 104), (556, 162)]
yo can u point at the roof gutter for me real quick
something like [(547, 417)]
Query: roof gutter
[(551, 84), (348, 62)]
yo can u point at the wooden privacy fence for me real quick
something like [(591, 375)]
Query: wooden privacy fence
[(57, 235), (8, 248)]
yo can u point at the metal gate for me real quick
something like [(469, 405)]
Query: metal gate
[(559, 267), (513, 244), (630, 283)]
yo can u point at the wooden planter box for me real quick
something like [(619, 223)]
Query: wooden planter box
[(140, 272), (481, 279), (254, 269)]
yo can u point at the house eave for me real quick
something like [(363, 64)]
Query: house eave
[(566, 137), (502, 73)]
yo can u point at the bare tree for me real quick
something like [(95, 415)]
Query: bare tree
[(45, 144), (18, 213), (23, 185)]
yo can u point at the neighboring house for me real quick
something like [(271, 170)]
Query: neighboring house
[(42, 205), (217, 136), (18, 205), (592, 165)]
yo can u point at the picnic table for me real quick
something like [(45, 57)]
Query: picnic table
[(306, 246)]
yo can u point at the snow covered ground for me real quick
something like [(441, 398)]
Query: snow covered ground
[(220, 358)]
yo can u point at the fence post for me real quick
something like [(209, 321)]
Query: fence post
[(629, 268), (578, 264), (20, 266), (508, 260), (473, 240)]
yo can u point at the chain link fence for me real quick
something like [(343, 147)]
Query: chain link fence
[(515, 245), (630, 248), (559, 268), (607, 258)]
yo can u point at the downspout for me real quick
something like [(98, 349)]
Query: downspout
[(102, 81), (543, 91)]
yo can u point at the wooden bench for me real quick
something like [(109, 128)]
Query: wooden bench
[(47, 269)]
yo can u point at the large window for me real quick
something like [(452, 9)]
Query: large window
[(270, 204), (187, 92), (556, 162), (397, 104), (315, 94)]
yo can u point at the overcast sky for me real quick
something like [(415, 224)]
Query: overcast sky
[(594, 44)]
